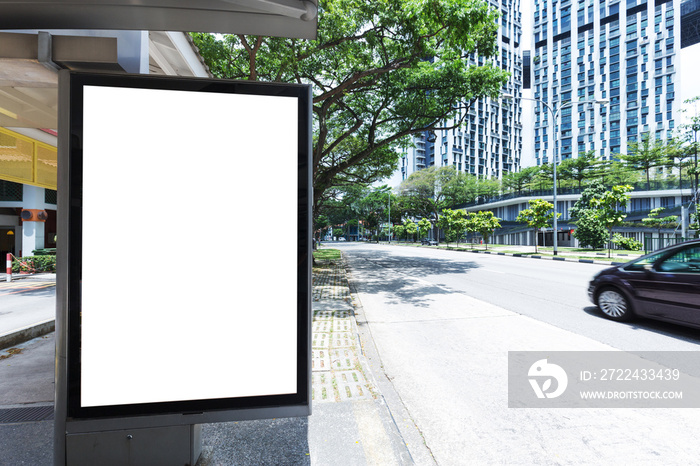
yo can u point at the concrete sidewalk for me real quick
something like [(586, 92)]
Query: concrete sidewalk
[(350, 425)]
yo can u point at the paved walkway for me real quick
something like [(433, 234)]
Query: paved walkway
[(350, 424)]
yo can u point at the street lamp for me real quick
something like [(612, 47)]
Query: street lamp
[(696, 128), (555, 115)]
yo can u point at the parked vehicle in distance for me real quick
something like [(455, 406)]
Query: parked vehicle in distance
[(429, 242), (663, 285)]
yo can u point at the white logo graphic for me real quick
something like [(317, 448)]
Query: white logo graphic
[(551, 371)]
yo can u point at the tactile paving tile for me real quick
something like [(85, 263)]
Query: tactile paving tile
[(325, 325), (352, 384), (321, 340), (320, 316), (343, 359), (322, 387), (320, 360), (343, 324), (342, 339)]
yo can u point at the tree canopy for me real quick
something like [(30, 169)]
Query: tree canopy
[(381, 71)]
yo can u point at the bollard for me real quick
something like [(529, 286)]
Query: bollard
[(9, 267)]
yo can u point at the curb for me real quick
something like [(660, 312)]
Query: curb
[(555, 258), (27, 333)]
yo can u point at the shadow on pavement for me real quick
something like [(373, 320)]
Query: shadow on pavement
[(402, 276)]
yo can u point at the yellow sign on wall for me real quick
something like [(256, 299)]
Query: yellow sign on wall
[(27, 161)]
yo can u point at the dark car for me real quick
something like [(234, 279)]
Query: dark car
[(429, 242), (663, 285)]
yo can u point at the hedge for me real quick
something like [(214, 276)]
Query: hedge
[(34, 264)]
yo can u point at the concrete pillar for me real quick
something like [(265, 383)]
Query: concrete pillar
[(32, 231)]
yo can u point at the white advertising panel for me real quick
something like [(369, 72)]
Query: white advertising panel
[(190, 243)]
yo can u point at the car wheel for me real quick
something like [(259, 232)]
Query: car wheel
[(614, 304)]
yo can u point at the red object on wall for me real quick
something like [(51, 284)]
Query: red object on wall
[(34, 215)]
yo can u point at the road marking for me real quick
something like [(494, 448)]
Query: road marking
[(22, 288)]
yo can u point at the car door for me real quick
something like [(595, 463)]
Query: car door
[(671, 289)]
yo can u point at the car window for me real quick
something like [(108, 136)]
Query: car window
[(684, 261), (638, 265)]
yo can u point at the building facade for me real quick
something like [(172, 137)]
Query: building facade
[(625, 52), (674, 201), (489, 142)]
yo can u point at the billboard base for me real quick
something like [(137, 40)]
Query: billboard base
[(181, 445)]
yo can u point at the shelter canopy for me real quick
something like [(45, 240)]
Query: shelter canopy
[(281, 18)]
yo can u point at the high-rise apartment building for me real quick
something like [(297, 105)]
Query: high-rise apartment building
[(625, 52), (489, 143)]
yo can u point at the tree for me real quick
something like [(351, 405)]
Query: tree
[(322, 222), (595, 189), (539, 215), (411, 229), (589, 230), (431, 190), (424, 226), (381, 72), (579, 168), (454, 224), (518, 181), (655, 221), (485, 223), (400, 232), (608, 208), (613, 172), (644, 155), (373, 208)]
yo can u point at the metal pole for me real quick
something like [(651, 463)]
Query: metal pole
[(555, 236), (390, 216), (9, 267), (695, 194)]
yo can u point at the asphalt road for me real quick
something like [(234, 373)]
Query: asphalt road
[(554, 292), (26, 302), (438, 325)]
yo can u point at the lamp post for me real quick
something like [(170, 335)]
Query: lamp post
[(389, 216), (696, 128), (555, 115)]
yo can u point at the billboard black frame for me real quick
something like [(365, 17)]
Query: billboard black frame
[(71, 85)]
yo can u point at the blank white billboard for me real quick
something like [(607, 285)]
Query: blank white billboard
[(190, 247)]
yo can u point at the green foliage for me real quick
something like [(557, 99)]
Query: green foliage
[(590, 231), (34, 264), (578, 169), (424, 225), (629, 244), (595, 189), (607, 207), (411, 228), (484, 223), (427, 192), (654, 221), (338, 232), (400, 232), (44, 252), (454, 224), (519, 181), (646, 154), (372, 84), (539, 215)]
